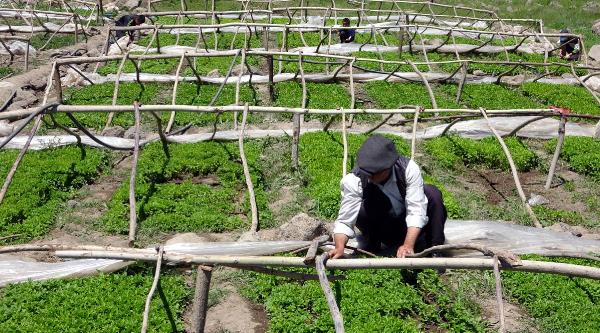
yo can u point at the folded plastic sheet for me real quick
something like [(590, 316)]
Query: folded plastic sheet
[(15, 270), (474, 129), (504, 236)]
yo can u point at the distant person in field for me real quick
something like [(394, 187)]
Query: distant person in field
[(386, 199), (569, 46), (346, 35), (129, 21)]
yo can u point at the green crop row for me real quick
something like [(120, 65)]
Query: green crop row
[(224, 40), (57, 42), (152, 93), (199, 187), (393, 95), (369, 300), (560, 304), (575, 98), (491, 96), (321, 155), (105, 303), (450, 151), (42, 182), (549, 216), (5, 71), (156, 66), (582, 154)]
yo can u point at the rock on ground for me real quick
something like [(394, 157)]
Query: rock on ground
[(594, 51), (115, 131), (300, 227)]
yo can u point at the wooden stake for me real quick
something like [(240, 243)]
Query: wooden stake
[(152, 290), (559, 143), (200, 305), (345, 144), (116, 90), (413, 145), (247, 176), (338, 321), (174, 95), (136, 152), (499, 294), (513, 170)]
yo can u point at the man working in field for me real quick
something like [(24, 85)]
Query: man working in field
[(129, 21), (346, 35), (386, 199), (569, 46)]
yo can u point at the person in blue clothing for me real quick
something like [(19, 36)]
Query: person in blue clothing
[(346, 35)]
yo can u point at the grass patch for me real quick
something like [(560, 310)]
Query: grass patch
[(104, 303), (5, 71), (450, 151), (370, 301), (393, 95), (155, 66), (200, 187), (43, 181)]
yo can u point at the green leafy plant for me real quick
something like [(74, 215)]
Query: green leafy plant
[(42, 182), (199, 187), (559, 303), (492, 96), (451, 150), (105, 303), (370, 301), (582, 154), (575, 98)]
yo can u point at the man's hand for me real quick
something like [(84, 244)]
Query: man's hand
[(340, 241), (404, 250)]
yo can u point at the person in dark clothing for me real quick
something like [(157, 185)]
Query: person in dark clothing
[(346, 35), (569, 46), (386, 199), (129, 21)]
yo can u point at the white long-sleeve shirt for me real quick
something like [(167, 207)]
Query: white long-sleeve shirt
[(415, 202)]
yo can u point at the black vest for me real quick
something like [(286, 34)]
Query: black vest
[(399, 170)]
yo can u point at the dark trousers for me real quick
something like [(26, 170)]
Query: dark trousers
[(379, 226)]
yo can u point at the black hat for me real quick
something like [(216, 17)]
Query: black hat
[(376, 154)]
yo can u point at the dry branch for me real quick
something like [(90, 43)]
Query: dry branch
[(499, 294), (152, 290), (333, 307), (559, 143), (513, 170), (200, 303), (134, 162), (252, 197)]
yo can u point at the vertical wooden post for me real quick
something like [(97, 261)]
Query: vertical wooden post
[(559, 143), (136, 152), (27, 55), (270, 69), (57, 85), (200, 305)]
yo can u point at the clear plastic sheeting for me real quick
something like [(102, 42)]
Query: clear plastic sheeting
[(474, 129), (16, 47), (517, 239), (14, 269)]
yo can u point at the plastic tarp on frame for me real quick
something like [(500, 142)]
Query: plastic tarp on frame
[(503, 236)]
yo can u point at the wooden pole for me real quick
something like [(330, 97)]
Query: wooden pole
[(497, 277), (152, 290), (174, 95), (247, 176), (57, 84), (338, 321), (200, 304), (136, 152), (559, 143), (513, 170), (270, 70), (413, 145), (345, 144), (116, 90)]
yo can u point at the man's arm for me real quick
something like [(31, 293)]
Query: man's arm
[(416, 209), (349, 207)]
